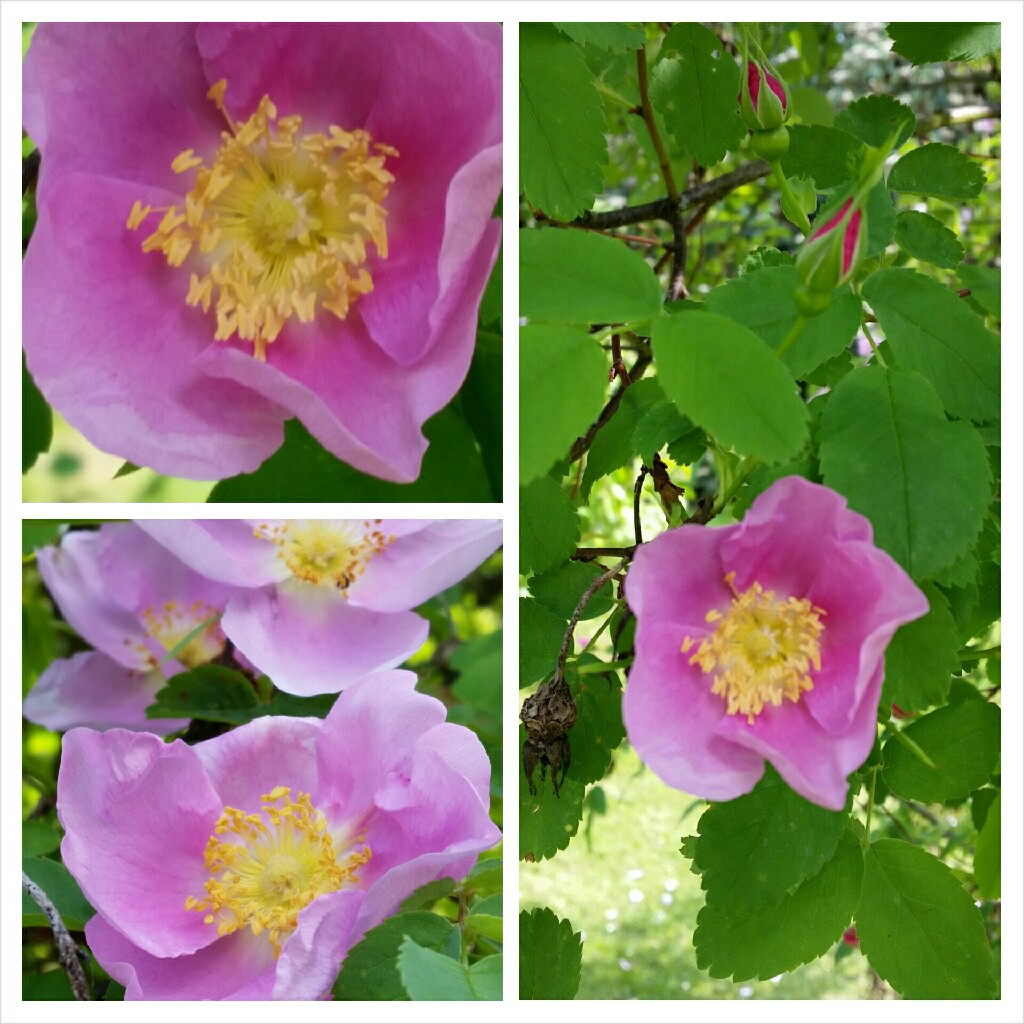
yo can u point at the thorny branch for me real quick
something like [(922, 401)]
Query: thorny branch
[(587, 595), (67, 951), (582, 444)]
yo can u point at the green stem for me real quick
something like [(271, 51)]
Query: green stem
[(604, 625), (603, 666), (866, 840), (874, 348), (748, 467), (790, 339), (902, 738), (805, 224)]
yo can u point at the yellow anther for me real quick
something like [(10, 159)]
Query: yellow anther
[(762, 651), (277, 223)]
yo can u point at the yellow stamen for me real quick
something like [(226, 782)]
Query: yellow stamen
[(280, 222), (171, 623), (271, 865), (326, 552), (761, 651)]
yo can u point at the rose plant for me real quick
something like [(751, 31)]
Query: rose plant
[(259, 222), (760, 510), (315, 834)]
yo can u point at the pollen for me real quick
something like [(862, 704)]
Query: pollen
[(278, 222), (324, 552), (267, 866), (194, 626), (762, 650)]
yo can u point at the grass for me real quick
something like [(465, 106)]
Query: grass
[(623, 883)]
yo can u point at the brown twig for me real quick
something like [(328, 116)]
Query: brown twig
[(652, 127), (677, 282), (582, 444), (637, 489), (589, 554), (67, 950), (587, 595), (618, 366)]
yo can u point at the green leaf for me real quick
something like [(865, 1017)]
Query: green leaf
[(579, 277), (763, 301), (922, 480), (482, 403), (126, 469), (764, 256), (550, 956), (370, 969), (210, 692), (613, 445), (987, 857), (937, 170), (694, 86), (605, 35), (772, 838), (927, 239), (812, 106), (55, 880), (427, 974), (720, 374), (549, 527), (985, 284), (798, 929), (599, 729), (302, 470), (561, 124), (560, 591), (933, 332), (547, 822), (38, 837), (830, 156), (919, 928), (963, 742), (662, 424), (428, 894), (872, 119), (922, 657), (540, 638), (562, 387), (926, 42), (36, 421), (478, 663), (50, 985)]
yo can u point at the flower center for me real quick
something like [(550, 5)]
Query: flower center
[(198, 623), (277, 221), (326, 552), (275, 864), (762, 649)]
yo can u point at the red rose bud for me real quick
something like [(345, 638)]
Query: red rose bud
[(850, 937), (761, 107), (830, 256)]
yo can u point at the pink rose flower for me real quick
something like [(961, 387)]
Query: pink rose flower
[(134, 601), (319, 603), (764, 640), (831, 255), (243, 223), (246, 866)]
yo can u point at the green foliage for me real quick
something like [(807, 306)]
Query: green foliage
[(371, 969), (561, 141), (922, 658), (877, 119), (924, 42), (961, 740), (606, 35), (37, 418), (803, 925), (582, 278), (722, 377), (694, 85), (540, 636), (772, 838), (560, 591), (547, 822), (427, 974), (551, 414), (883, 433), (599, 729), (55, 880), (987, 852), (937, 170), (550, 956), (925, 238), (302, 470), (827, 155), (548, 526), (919, 928)]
